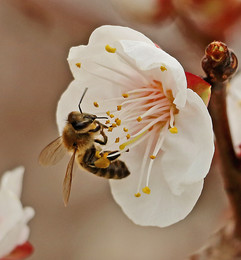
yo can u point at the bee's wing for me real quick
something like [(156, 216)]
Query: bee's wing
[(68, 179), (52, 153)]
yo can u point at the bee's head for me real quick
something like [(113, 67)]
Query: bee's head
[(80, 121)]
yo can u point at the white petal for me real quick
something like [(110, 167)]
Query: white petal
[(12, 180), (96, 92), (11, 213), (10, 240), (28, 214), (187, 155), (234, 109), (115, 33), (149, 59), (95, 53), (160, 208), (23, 235)]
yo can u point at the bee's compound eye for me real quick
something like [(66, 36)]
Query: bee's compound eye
[(89, 117), (79, 125)]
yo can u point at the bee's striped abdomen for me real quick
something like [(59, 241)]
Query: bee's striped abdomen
[(116, 170)]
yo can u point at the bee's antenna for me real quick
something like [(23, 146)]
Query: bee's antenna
[(82, 99), (102, 117)]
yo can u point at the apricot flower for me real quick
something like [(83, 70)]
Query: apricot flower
[(14, 231), (161, 129)]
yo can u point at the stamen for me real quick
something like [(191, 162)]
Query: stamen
[(96, 104), (171, 117), (128, 136), (173, 130), (138, 194), (163, 68), (156, 150), (107, 121), (147, 151), (110, 49), (133, 144), (146, 190), (118, 108), (114, 125), (118, 121), (152, 156), (78, 65), (125, 129), (139, 119), (153, 122), (117, 140), (108, 113), (111, 115), (144, 89), (122, 146), (110, 129), (125, 95)]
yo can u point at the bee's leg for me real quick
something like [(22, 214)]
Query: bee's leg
[(112, 158), (103, 142), (96, 129), (89, 158)]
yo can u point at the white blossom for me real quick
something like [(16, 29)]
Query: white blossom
[(162, 129), (13, 217)]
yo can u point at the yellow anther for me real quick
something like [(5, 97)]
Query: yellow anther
[(139, 119), (138, 194), (105, 155), (118, 122), (78, 65), (107, 121), (108, 113), (118, 108), (96, 104), (125, 129), (163, 68), (97, 154), (146, 190), (117, 140), (152, 156), (110, 49), (122, 146), (128, 136), (125, 95), (114, 125), (173, 130), (110, 129), (111, 115)]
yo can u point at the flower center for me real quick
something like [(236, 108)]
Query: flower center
[(143, 113)]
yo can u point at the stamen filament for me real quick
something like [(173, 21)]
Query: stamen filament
[(147, 151), (153, 122), (156, 150)]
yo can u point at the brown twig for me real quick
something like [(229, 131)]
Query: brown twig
[(219, 65)]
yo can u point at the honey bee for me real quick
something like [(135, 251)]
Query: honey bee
[(79, 138)]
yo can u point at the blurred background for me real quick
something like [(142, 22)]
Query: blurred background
[(35, 40)]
